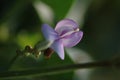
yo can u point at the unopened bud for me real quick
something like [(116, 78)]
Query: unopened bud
[(48, 52)]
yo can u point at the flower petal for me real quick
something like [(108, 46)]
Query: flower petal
[(57, 46), (65, 25), (73, 39), (49, 33)]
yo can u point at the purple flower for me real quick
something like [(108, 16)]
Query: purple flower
[(66, 34)]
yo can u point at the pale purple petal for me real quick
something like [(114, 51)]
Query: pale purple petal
[(49, 33), (65, 26), (73, 39), (57, 46)]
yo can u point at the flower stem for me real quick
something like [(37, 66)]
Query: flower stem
[(18, 53), (54, 70), (12, 61)]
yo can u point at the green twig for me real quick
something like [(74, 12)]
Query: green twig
[(54, 70)]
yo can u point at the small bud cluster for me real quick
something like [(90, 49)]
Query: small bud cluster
[(28, 50)]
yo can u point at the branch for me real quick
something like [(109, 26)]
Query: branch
[(59, 69)]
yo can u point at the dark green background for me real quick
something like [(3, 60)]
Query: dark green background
[(20, 26)]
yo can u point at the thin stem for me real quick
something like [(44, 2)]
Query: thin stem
[(54, 70), (18, 53), (12, 61)]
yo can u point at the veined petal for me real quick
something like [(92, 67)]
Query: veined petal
[(65, 25), (49, 33), (73, 39), (57, 46)]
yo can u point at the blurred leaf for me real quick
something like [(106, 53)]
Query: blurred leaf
[(80, 56), (25, 38), (44, 12), (60, 7), (4, 33)]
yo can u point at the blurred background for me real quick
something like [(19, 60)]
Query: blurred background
[(20, 25)]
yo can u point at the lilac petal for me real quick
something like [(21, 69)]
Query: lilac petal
[(57, 46), (65, 25), (49, 33), (73, 39)]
